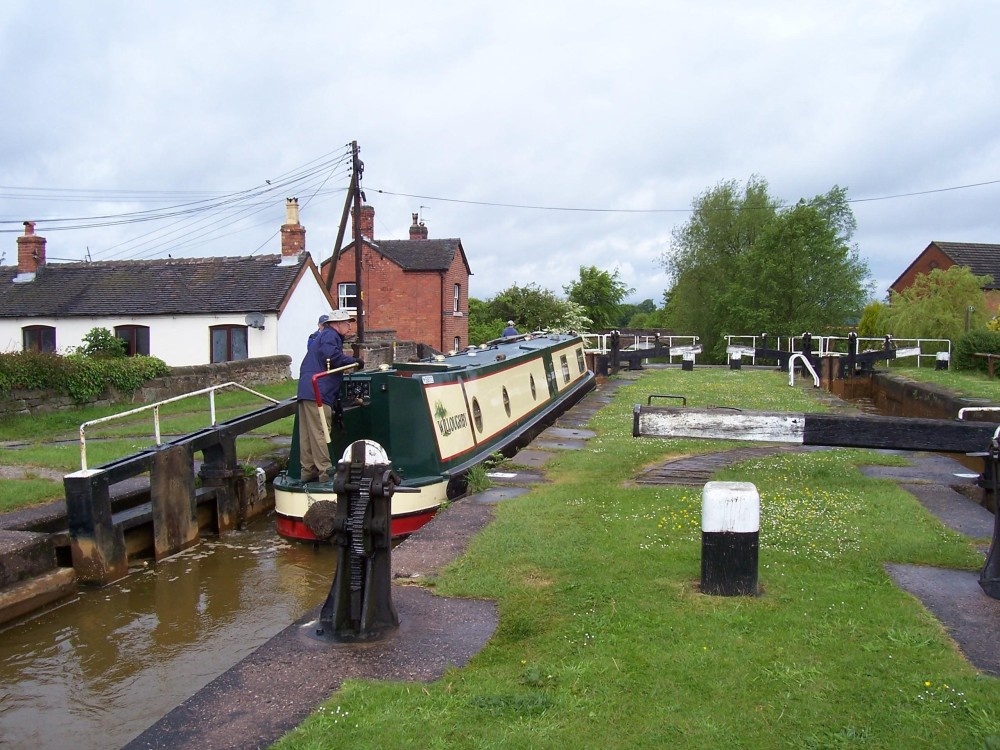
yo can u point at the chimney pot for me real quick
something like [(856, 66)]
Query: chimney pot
[(30, 253), (366, 222), (293, 234), (418, 231)]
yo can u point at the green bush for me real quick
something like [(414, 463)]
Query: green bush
[(81, 377), (977, 341), (100, 342)]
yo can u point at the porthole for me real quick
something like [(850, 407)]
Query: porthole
[(534, 394), (477, 414), (564, 365), (581, 364), (506, 401)]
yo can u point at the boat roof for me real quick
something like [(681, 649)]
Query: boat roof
[(504, 348)]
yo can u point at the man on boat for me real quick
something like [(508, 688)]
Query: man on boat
[(510, 330), (325, 352)]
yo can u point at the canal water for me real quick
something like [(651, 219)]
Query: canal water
[(95, 671)]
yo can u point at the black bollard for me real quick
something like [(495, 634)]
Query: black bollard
[(730, 538)]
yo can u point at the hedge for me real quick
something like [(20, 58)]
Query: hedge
[(975, 342), (80, 377)]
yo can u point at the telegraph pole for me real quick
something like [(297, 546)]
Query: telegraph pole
[(358, 169)]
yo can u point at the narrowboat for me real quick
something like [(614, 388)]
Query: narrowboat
[(439, 417)]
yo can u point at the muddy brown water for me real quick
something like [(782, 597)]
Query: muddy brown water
[(95, 671)]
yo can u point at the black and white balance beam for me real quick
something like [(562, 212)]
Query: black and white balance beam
[(835, 430)]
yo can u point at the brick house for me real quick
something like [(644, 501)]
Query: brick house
[(186, 311), (418, 289), (981, 259)]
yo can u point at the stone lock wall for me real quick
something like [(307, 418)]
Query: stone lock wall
[(249, 372)]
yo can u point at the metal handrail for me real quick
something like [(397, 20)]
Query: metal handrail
[(806, 363), (156, 414)]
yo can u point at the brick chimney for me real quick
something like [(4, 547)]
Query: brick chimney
[(417, 229), (30, 254), (293, 234), (366, 222)]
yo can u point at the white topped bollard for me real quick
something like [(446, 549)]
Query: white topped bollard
[(730, 538)]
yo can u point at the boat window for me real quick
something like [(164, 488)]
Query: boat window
[(581, 365), (477, 414), (565, 368), (534, 395), (506, 401)]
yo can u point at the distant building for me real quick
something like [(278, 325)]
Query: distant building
[(186, 311), (417, 288), (981, 259)]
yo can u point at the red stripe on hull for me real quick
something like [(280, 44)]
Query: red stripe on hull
[(296, 530)]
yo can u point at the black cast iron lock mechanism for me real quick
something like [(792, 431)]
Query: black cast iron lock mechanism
[(989, 577), (359, 606)]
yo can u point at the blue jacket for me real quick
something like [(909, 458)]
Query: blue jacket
[(326, 346)]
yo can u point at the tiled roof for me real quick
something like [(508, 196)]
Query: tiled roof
[(981, 259), (419, 255), (175, 286)]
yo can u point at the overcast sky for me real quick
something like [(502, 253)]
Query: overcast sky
[(545, 135)]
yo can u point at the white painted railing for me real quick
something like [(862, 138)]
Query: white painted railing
[(601, 342), (827, 345), (155, 408)]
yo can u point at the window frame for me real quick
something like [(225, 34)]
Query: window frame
[(229, 329), (136, 338), (39, 333), (345, 300)]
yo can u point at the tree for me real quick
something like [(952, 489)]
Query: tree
[(725, 223), (872, 323), (803, 273), (599, 293), (741, 264), (483, 325), (628, 312), (530, 307), (103, 344), (937, 305)]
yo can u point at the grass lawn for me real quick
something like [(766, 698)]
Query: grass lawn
[(604, 639), (969, 384), (51, 441)]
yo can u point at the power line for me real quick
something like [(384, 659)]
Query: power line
[(656, 210)]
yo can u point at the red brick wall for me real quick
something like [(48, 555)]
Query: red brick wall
[(410, 302), (926, 262)]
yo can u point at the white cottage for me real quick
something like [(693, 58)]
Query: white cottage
[(186, 311)]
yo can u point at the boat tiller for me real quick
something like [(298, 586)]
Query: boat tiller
[(359, 606)]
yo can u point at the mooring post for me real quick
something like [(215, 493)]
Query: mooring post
[(730, 538)]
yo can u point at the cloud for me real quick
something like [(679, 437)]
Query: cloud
[(492, 120)]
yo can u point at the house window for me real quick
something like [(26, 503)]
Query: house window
[(136, 339), (347, 296), (458, 344), (38, 338), (229, 343), (458, 298)]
